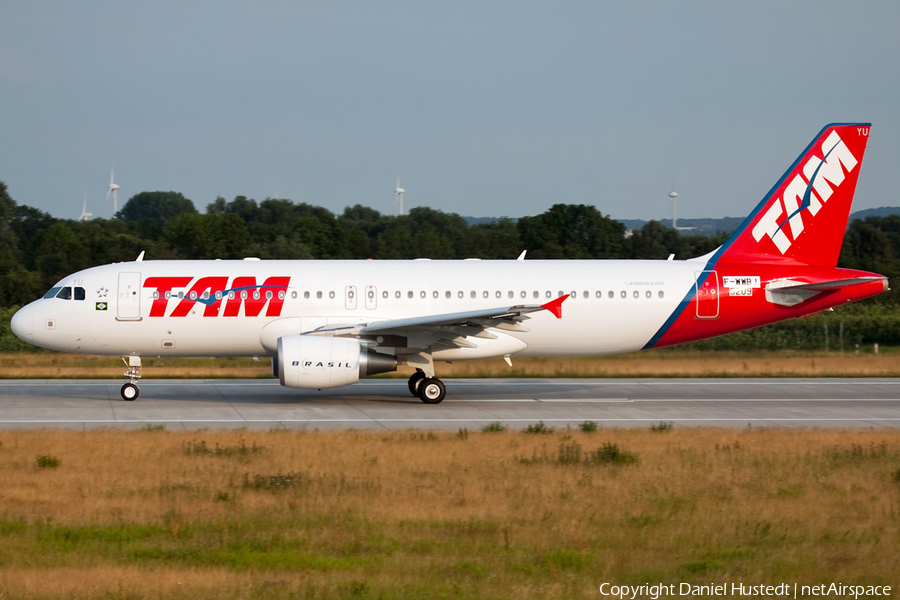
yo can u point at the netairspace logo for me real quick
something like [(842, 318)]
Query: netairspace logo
[(783, 590)]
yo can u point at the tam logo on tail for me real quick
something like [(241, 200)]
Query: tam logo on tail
[(807, 190), (804, 216)]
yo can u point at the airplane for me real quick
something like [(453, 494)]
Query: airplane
[(327, 323)]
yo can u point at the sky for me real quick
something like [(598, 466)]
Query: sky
[(480, 108)]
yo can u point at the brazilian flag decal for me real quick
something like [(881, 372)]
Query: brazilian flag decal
[(101, 305)]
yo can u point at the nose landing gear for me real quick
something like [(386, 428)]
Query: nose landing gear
[(130, 390)]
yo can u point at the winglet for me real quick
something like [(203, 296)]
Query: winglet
[(555, 306)]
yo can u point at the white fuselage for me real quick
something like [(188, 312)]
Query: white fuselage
[(615, 306)]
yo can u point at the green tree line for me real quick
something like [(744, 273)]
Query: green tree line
[(36, 249)]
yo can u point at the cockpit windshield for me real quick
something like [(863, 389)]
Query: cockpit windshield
[(65, 293)]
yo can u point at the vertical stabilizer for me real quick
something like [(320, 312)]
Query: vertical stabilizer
[(804, 217)]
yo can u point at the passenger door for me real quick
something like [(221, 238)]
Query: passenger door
[(707, 296), (128, 303)]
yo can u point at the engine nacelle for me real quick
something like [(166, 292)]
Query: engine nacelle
[(308, 361)]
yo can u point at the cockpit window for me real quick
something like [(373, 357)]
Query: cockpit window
[(79, 293), (52, 293), (65, 293)]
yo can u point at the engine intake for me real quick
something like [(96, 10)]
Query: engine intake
[(314, 362)]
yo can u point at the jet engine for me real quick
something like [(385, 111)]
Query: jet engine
[(307, 361)]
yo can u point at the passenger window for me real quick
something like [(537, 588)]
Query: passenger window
[(435, 294), (561, 293), (512, 294), (306, 295), (397, 295), (65, 293), (611, 294), (661, 294), (624, 294), (473, 295), (447, 294), (330, 295), (599, 295), (486, 294), (79, 293), (549, 294), (385, 295), (318, 295), (460, 294), (409, 294), (422, 295), (587, 294), (499, 294), (52, 293), (524, 294), (574, 295), (636, 294), (536, 294), (649, 294)]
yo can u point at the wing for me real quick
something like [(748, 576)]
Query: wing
[(438, 332)]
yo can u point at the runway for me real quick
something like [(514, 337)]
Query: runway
[(470, 403)]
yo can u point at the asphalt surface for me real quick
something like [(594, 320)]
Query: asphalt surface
[(470, 403)]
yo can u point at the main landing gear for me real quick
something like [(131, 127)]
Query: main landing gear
[(430, 390), (130, 390)]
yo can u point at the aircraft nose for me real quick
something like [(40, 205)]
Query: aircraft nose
[(22, 323)]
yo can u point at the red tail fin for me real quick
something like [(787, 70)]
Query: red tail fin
[(805, 215)]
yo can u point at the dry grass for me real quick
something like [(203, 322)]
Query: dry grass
[(241, 514), (667, 363)]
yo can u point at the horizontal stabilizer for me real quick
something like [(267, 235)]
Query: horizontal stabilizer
[(791, 293), (827, 286)]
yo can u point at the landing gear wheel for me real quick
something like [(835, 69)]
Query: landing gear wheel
[(130, 392), (415, 381), (432, 390)]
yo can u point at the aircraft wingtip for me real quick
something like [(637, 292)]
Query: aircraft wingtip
[(555, 306)]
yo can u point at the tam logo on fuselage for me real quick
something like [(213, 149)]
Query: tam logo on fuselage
[(809, 189), (243, 293)]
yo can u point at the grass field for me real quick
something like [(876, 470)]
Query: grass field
[(654, 363), (418, 514)]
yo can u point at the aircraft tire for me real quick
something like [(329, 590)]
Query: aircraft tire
[(415, 381), (432, 390), (130, 392)]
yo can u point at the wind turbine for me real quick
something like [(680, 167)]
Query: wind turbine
[(85, 215), (398, 194), (674, 196), (113, 191)]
